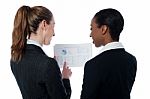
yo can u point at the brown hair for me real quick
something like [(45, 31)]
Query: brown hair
[(27, 20)]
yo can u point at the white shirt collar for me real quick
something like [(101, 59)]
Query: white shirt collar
[(29, 41), (112, 45)]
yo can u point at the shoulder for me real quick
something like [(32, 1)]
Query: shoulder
[(45, 59), (95, 60), (51, 63), (130, 55), (94, 63), (131, 58), (48, 60)]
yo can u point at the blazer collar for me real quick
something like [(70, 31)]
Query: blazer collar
[(29, 41), (112, 45)]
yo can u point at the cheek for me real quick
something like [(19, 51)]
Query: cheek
[(50, 33), (94, 34), (96, 38), (49, 36)]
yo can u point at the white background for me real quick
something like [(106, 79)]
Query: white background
[(73, 19)]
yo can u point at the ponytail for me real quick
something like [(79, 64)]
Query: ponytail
[(19, 34), (26, 21)]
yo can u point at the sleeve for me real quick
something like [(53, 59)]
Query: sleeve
[(56, 87), (91, 81), (67, 85)]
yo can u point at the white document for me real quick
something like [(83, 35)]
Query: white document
[(74, 54)]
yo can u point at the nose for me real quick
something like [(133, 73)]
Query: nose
[(90, 35), (53, 34)]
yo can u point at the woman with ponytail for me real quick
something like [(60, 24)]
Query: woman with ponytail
[(38, 76)]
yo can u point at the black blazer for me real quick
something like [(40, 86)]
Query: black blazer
[(39, 77), (110, 75)]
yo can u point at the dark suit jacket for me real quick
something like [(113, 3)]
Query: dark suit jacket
[(39, 77), (110, 75)]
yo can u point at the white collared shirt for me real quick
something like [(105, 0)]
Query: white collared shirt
[(29, 41), (112, 45)]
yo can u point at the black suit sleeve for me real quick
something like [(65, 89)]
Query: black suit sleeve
[(67, 85), (91, 81), (56, 87)]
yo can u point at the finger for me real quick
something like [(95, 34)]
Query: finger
[(65, 63)]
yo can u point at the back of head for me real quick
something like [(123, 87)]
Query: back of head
[(27, 20), (112, 19)]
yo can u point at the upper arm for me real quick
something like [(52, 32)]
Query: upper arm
[(54, 84), (91, 82)]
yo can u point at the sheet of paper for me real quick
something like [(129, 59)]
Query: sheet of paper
[(74, 54)]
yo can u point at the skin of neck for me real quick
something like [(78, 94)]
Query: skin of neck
[(38, 37), (107, 38)]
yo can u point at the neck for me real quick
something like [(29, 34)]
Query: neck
[(108, 39), (36, 38)]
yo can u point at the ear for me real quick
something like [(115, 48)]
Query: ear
[(104, 29), (43, 24)]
